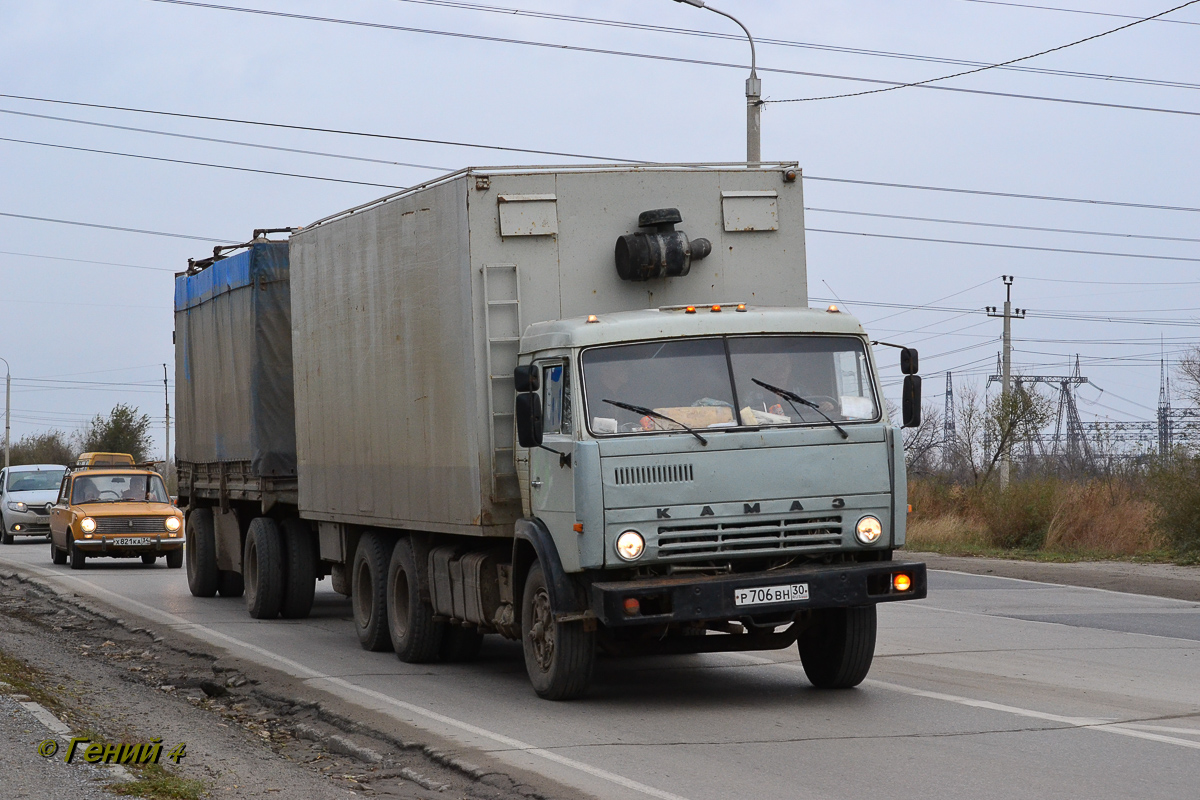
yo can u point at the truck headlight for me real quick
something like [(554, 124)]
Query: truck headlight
[(172, 523), (868, 530), (630, 545), (18, 507), (87, 524)]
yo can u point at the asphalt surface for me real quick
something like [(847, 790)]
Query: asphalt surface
[(991, 688)]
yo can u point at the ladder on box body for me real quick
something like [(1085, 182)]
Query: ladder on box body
[(502, 326)]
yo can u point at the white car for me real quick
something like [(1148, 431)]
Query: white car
[(26, 495)]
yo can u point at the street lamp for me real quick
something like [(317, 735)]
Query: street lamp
[(7, 406), (753, 91)]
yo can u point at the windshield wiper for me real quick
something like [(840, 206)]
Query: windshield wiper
[(650, 412), (792, 396)]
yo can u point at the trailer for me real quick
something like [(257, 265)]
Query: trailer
[(583, 407)]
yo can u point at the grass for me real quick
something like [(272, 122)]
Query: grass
[(156, 782), (26, 680)]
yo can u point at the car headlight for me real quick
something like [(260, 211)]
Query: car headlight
[(18, 507), (87, 524), (868, 530), (172, 523), (630, 545)]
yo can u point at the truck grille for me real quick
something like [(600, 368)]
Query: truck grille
[(657, 473), (130, 524), (791, 534)]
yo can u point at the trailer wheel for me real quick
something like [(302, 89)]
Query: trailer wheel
[(57, 556), (175, 558), (416, 638), (231, 584), (200, 551), (368, 592), (837, 651), (262, 568), (460, 644), (559, 656), (300, 575)]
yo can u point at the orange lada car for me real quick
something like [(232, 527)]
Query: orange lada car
[(116, 512)]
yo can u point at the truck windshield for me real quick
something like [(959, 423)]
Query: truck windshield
[(709, 383)]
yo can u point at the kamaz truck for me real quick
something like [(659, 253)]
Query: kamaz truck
[(588, 408)]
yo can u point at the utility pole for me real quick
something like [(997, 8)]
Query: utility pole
[(753, 91), (167, 404), (1006, 373), (7, 408)]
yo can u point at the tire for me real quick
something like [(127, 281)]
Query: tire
[(78, 559), (368, 592), (559, 656), (416, 638), (148, 559), (175, 558), (837, 651), (262, 568), (460, 644), (300, 575), (231, 584), (59, 557), (5, 536), (200, 551)]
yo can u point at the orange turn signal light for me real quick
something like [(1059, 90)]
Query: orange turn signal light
[(632, 606), (901, 582), (910, 508), (578, 527)]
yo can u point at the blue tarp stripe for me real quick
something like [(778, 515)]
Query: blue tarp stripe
[(224, 276)]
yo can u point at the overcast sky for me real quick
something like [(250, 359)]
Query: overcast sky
[(81, 337)]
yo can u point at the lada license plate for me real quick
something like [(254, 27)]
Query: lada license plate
[(131, 541), (762, 595)]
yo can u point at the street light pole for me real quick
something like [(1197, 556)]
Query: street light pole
[(753, 90), (7, 407)]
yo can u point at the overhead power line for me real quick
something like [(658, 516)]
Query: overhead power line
[(223, 141), (999, 225), (1075, 11), (641, 26), (1011, 61), (1003, 246), (116, 228), (201, 163), (1013, 195), (85, 261), (672, 59)]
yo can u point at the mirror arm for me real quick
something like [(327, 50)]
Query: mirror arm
[(564, 459)]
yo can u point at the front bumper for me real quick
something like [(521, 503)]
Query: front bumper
[(711, 597), (119, 546), (27, 523)]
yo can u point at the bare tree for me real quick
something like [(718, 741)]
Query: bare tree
[(1188, 372), (985, 428), (922, 443)]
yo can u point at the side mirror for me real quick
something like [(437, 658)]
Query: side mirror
[(911, 401), (526, 378), (529, 419), (908, 361)]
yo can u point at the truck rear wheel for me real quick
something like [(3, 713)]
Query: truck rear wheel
[(200, 551), (559, 656), (838, 649), (262, 568), (368, 592), (300, 575), (416, 638), (231, 584)]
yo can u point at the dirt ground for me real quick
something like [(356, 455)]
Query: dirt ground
[(250, 732)]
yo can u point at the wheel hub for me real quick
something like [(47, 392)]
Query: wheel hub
[(541, 631)]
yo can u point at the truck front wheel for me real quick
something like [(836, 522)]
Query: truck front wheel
[(262, 568), (838, 649), (415, 636), (368, 592), (200, 553), (559, 656)]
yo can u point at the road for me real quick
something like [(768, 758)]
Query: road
[(991, 688)]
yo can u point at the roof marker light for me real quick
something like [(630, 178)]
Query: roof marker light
[(593, 318), (689, 310), (716, 307), (832, 309), (741, 306)]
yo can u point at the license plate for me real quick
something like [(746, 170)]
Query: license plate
[(762, 595), (131, 541)]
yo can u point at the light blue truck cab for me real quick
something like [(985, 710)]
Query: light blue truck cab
[(717, 468)]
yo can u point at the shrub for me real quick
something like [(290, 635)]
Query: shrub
[(1174, 486)]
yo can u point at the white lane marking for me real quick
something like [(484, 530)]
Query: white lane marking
[(1163, 729), (1136, 731), (1048, 584), (181, 624)]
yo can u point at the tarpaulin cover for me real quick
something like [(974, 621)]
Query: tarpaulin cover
[(233, 362)]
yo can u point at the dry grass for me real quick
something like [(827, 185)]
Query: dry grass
[(1109, 517)]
